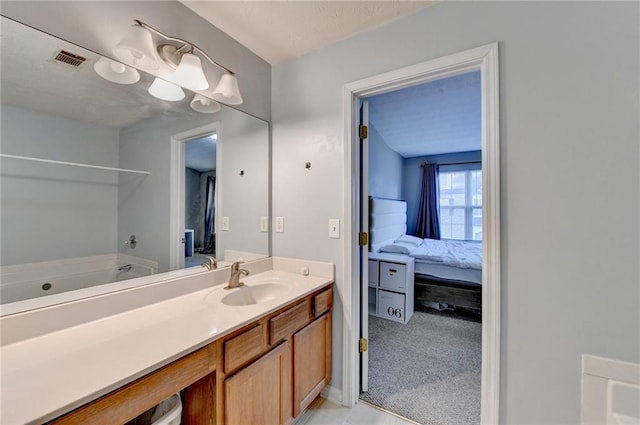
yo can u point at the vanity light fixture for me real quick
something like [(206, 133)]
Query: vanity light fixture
[(227, 90), (137, 48), (165, 90), (116, 72), (188, 68), (203, 105)]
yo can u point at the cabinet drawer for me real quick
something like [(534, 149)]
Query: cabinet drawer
[(322, 302), (393, 276), (373, 273), (286, 323), (244, 347), (391, 305)]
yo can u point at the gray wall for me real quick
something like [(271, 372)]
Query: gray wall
[(100, 25), (244, 198), (385, 168), (51, 212), (412, 180), (570, 177)]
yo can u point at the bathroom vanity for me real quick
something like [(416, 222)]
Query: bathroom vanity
[(256, 354)]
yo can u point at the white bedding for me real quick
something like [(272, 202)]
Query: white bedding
[(455, 253)]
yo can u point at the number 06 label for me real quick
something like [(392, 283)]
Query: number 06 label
[(394, 312)]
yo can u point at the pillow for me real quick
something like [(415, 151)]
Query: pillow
[(408, 239), (398, 248)]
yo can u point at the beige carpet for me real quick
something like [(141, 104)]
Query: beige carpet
[(427, 370)]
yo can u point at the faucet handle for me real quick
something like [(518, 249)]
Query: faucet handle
[(235, 266)]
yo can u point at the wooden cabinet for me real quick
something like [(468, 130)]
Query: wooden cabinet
[(193, 371), (280, 384), (286, 323), (311, 362), (391, 286), (261, 392), (244, 347), (266, 373)]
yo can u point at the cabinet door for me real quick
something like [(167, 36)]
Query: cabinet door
[(260, 394), (311, 362)]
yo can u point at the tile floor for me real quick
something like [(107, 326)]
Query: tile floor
[(325, 412)]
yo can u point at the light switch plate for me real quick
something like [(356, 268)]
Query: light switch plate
[(334, 228), (225, 223), (264, 223), (279, 224)]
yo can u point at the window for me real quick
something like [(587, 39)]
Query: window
[(461, 204)]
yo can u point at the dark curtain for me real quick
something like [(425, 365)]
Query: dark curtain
[(428, 209), (209, 215)]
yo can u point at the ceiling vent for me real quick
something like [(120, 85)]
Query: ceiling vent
[(69, 59)]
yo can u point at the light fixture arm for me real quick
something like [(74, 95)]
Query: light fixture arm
[(184, 44)]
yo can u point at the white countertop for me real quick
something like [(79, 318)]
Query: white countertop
[(50, 374)]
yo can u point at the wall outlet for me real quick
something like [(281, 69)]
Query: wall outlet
[(334, 228), (264, 223), (225, 223), (279, 224)]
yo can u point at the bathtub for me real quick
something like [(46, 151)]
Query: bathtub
[(28, 281)]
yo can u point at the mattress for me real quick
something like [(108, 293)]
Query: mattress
[(443, 271)]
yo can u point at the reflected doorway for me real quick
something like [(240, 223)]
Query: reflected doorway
[(200, 199), (189, 234)]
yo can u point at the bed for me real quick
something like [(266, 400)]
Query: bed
[(446, 271)]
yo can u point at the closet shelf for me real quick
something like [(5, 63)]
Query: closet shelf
[(73, 164)]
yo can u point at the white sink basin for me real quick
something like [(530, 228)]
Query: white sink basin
[(255, 294)]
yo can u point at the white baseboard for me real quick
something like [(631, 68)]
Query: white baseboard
[(332, 393)]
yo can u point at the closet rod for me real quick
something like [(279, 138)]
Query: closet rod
[(74, 164)]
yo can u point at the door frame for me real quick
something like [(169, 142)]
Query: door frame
[(485, 59), (363, 213), (176, 189)]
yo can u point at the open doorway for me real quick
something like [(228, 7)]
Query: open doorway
[(424, 164), (193, 188), (355, 296), (200, 199)]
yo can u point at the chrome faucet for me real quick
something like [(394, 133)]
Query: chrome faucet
[(210, 264), (234, 278)]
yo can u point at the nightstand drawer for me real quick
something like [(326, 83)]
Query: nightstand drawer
[(393, 276)]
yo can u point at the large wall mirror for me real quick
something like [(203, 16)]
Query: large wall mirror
[(102, 183)]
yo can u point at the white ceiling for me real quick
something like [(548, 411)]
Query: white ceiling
[(200, 154), (442, 116), (280, 30)]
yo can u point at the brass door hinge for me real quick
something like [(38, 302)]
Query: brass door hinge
[(364, 345), (364, 131), (364, 239)]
